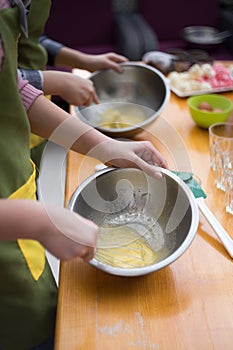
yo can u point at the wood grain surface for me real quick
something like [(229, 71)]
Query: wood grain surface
[(187, 305)]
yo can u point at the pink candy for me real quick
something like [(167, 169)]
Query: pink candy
[(222, 77)]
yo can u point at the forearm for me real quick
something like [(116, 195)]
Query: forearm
[(52, 82), (60, 55), (71, 58), (51, 122), (20, 219), (54, 227)]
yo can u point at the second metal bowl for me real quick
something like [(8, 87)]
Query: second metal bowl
[(139, 89)]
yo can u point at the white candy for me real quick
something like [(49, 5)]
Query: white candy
[(207, 70), (192, 79)]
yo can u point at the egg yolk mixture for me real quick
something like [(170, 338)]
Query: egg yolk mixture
[(114, 119), (124, 247)]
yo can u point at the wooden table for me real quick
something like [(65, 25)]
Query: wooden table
[(187, 305)]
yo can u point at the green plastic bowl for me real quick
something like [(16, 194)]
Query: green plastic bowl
[(205, 118)]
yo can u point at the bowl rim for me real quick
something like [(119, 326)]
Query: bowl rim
[(168, 260), (147, 121), (188, 34), (201, 27)]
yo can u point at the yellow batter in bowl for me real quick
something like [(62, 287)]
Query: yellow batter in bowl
[(124, 247)]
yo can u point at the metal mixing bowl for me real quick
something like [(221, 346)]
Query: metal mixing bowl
[(204, 37), (139, 89), (165, 207)]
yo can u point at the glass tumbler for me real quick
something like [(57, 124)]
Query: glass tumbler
[(223, 152), (228, 175), (218, 132)]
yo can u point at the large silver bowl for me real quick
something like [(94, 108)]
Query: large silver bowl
[(165, 207), (139, 89)]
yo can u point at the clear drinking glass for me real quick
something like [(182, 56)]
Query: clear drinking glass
[(223, 152), (218, 132), (228, 175)]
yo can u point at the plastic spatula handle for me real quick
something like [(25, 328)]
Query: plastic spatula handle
[(217, 227)]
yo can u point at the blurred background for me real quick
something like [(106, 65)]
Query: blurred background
[(135, 27)]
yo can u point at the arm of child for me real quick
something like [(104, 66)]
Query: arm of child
[(64, 233), (61, 55), (73, 89), (76, 59), (51, 122)]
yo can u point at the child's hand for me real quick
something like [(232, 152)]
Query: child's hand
[(137, 154), (63, 233), (69, 235), (72, 88)]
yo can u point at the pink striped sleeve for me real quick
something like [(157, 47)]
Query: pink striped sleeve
[(28, 93)]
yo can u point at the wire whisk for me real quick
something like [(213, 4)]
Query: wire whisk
[(134, 254)]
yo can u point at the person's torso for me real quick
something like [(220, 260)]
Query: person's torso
[(32, 54), (15, 130), (28, 292)]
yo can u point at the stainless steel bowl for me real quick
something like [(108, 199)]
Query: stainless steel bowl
[(140, 88), (129, 196), (204, 37)]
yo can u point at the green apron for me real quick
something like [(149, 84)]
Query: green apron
[(32, 55), (28, 293)]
